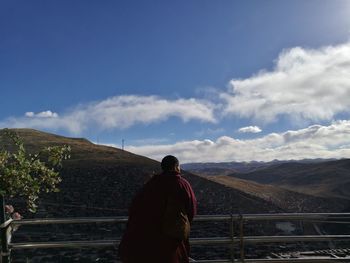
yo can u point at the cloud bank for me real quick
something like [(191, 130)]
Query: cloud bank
[(118, 112), (309, 85), (306, 84), (315, 141)]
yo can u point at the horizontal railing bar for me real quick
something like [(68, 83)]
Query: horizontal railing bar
[(199, 218), (211, 240), (64, 244), (267, 239), (82, 220), (193, 241), (76, 220), (287, 239), (214, 261), (288, 216), (70, 244), (289, 260), (296, 216), (296, 260)]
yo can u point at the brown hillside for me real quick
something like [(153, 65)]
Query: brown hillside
[(287, 200), (325, 179), (83, 152)]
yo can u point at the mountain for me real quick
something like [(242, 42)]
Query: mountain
[(326, 179), (83, 152), (223, 167), (286, 199), (240, 167), (318, 177)]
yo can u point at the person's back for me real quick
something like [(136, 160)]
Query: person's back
[(159, 218)]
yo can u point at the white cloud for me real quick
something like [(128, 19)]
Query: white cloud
[(305, 84), (117, 113), (315, 141), (43, 114), (250, 129), (29, 114)]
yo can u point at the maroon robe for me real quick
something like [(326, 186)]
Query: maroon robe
[(143, 240)]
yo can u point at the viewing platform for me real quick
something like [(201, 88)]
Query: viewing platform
[(236, 241)]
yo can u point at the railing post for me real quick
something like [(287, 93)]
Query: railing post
[(241, 239), (5, 252), (232, 230)]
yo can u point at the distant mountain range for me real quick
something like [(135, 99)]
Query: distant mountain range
[(242, 167), (320, 177)]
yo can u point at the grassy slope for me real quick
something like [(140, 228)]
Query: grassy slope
[(283, 198), (83, 151), (327, 179)]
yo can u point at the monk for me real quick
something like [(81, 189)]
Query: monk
[(159, 219)]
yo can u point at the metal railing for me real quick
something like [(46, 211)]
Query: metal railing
[(234, 240)]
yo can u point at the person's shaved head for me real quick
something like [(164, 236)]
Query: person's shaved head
[(169, 163)]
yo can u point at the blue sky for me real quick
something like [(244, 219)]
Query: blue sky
[(206, 80)]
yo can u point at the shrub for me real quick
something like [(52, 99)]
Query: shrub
[(28, 175)]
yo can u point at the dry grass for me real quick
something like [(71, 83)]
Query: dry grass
[(266, 192), (83, 152)]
